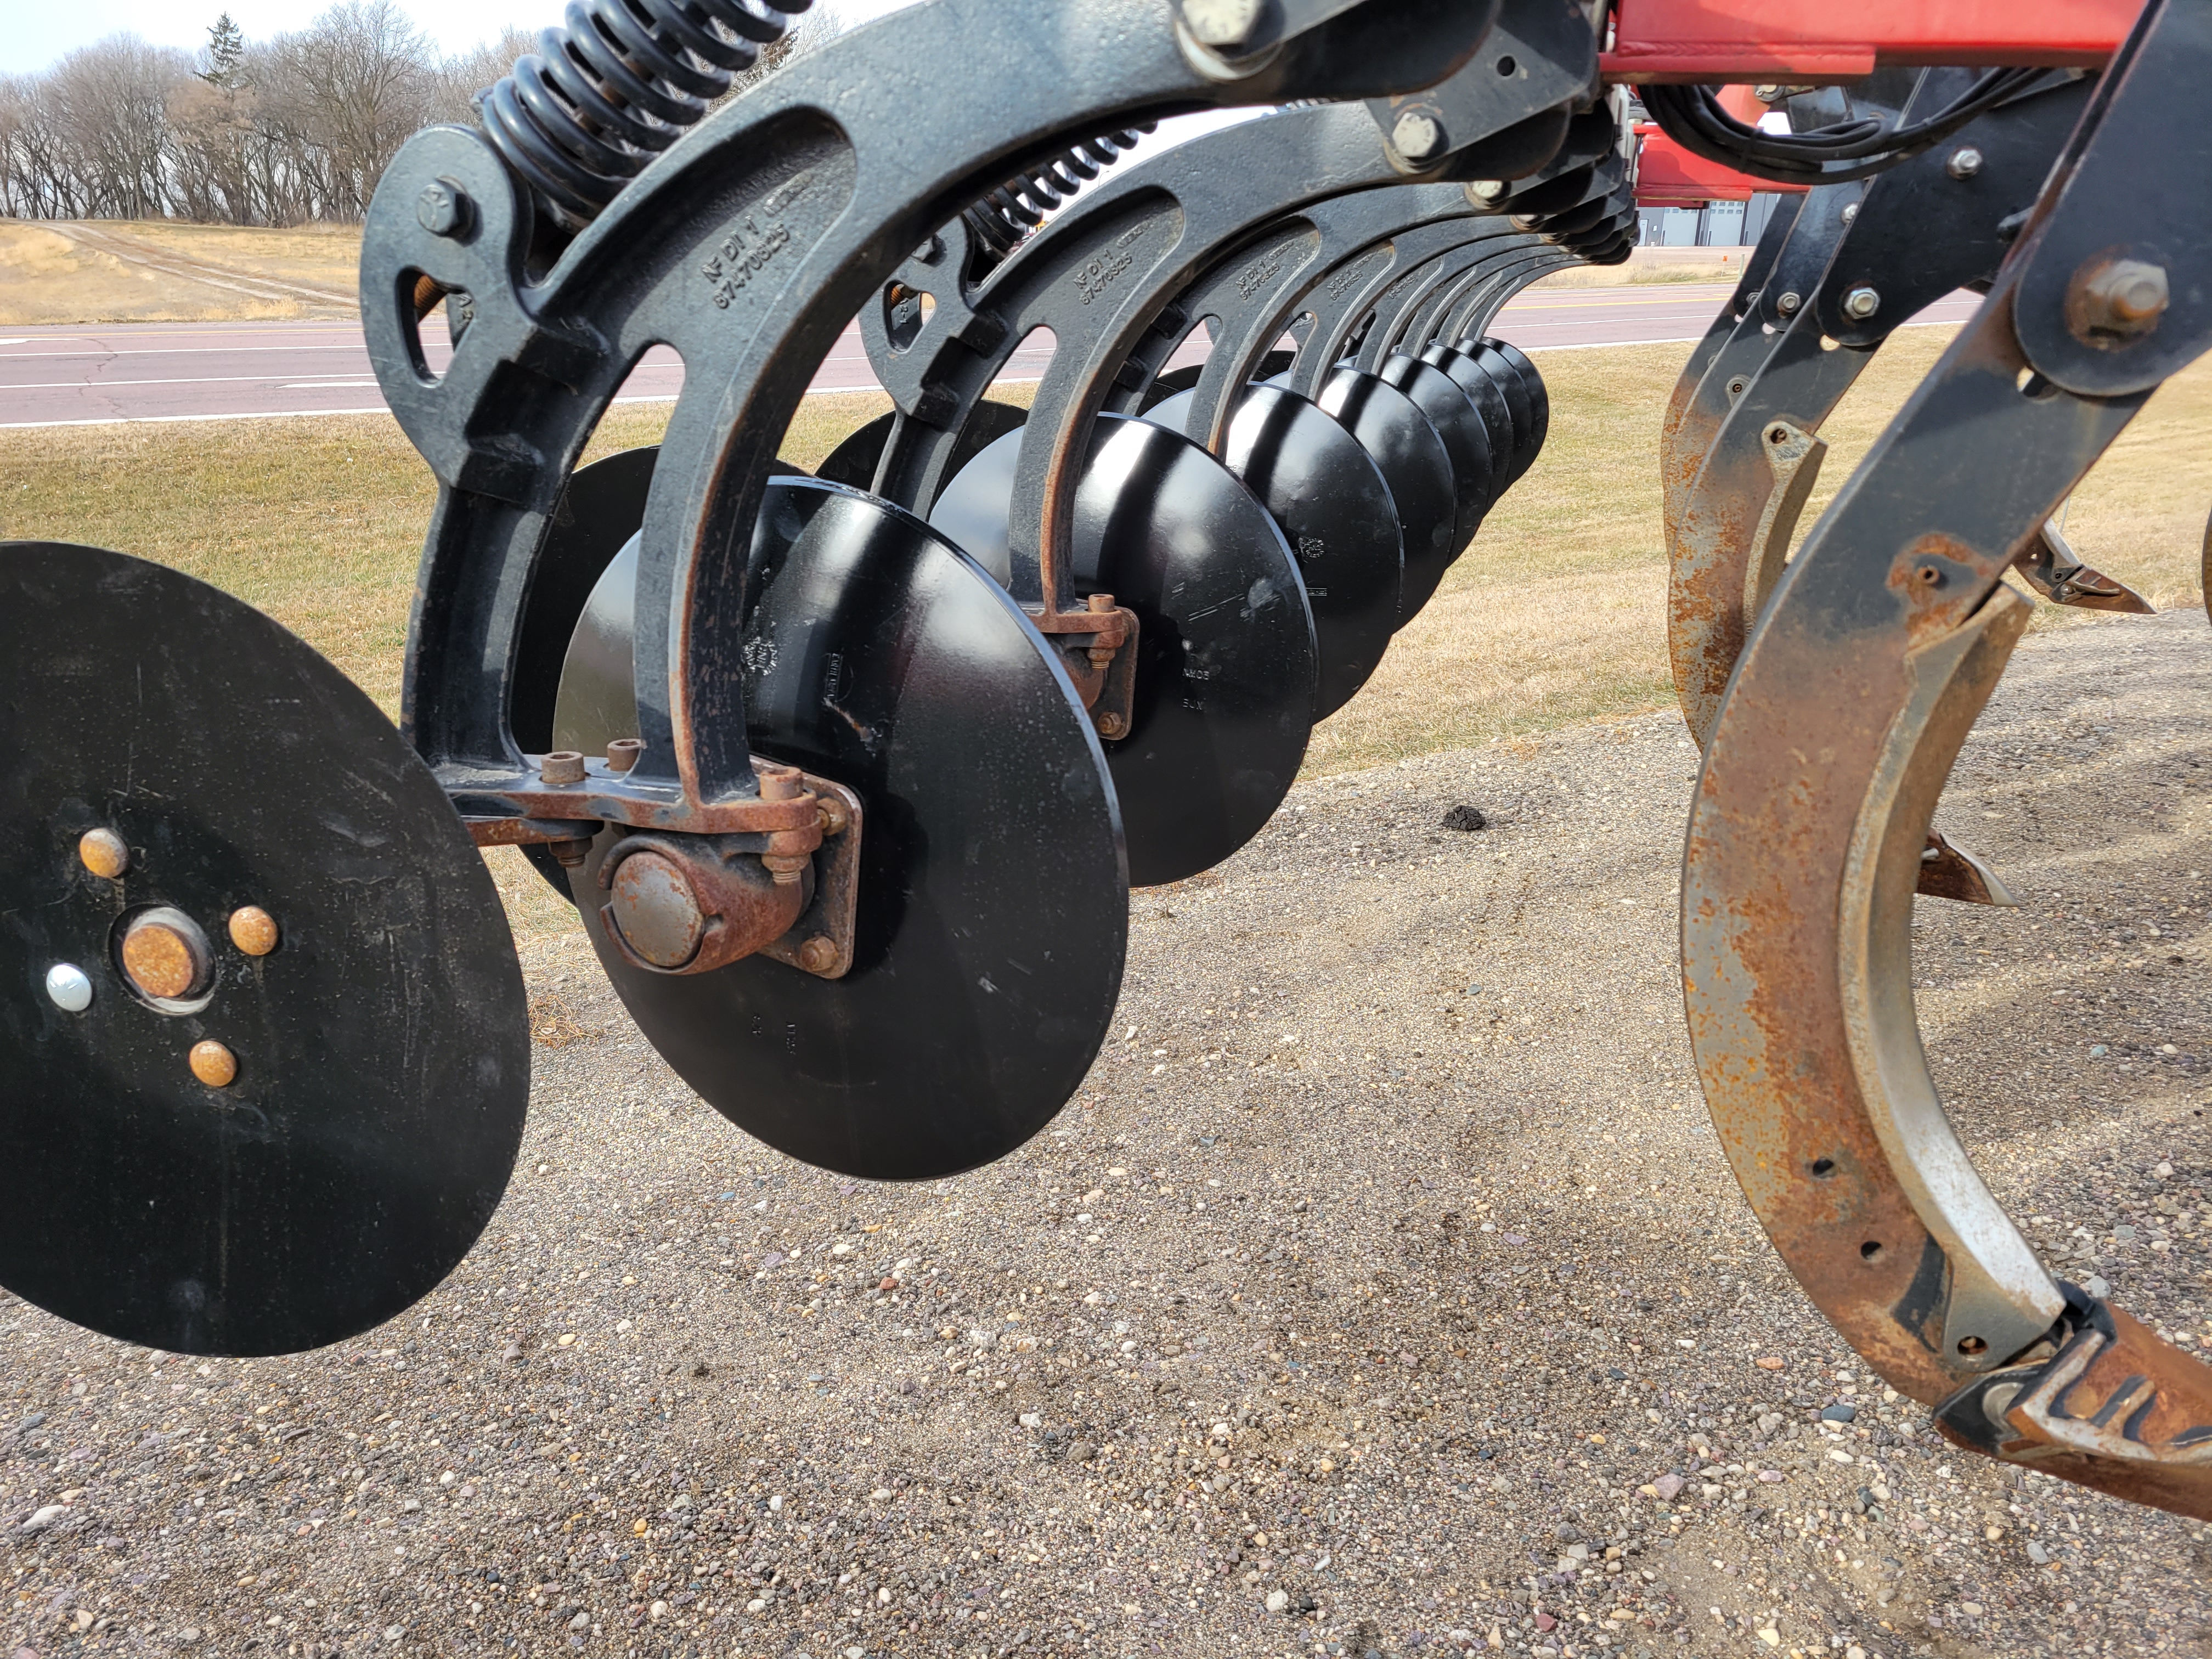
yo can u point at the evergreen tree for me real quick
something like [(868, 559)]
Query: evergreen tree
[(226, 47)]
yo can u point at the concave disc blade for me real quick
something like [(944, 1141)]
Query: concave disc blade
[(1539, 398), (854, 461), (1466, 440), (1225, 652), (1488, 398), (382, 1049), (1336, 513), (601, 508), (993, 901), (1509, 380), (1176, 381), (1390, 426)]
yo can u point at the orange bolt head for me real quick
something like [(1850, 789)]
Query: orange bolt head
[(161, 961), (103, 852), (213, 1064), (253, 930), (817, 954)]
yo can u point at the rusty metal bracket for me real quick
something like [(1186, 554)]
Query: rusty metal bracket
[(2050, 566)]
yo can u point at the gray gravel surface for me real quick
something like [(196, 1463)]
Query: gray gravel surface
[(1384, 1291)]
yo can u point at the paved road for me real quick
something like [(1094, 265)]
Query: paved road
[(99, 373)]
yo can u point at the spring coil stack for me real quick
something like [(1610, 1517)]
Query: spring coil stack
[(1018, 206), (581, 116)]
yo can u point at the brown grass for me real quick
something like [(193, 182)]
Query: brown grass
[(46, 278), (1555, 615)]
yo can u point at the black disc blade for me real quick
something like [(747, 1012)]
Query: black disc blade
[(1176, 381), (379, 1052), (1339, 518), (1489, 399), (1532, 380), (1225, 661), (854, 461), (1390, 426), (1509, 380), (993, 899), (1466, 445)]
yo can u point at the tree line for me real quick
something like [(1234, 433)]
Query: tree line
[(280, 131)]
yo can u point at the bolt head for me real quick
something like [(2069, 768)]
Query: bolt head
[(2124, 297), (213, 1064), (1111, 725), (253, 930), (818, 955), (1862, 303), (1788, 304), (1850, 212), (563, 766), (1416, 135), (1489, 190), (68, 988), (103, 852), (442, 209), (1224, 25), (1965, 161), (166, 958)]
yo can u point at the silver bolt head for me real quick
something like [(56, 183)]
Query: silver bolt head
[(69, 987), (1416, 136), (1850, 212), (1487, 190), (1788, 304), (442, 209), (1220, 24), (1965, 161), (1862, 303)]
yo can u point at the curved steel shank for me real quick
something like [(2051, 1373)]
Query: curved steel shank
[(1860, 682)]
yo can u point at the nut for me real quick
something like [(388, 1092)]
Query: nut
[(1965, 161), (443, 208), (253, 930), (1788, 304), (1417, 135), (103, 852), (1223, 25), (2120, 300), (1862, 303), (563, 766), (818, 955), (213, 1064), (622, 753), (1111, 724), (1489, 190)]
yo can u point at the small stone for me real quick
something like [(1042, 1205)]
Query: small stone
[(583, 1620), (1770, 1476), (1544, 1621), (1771, 1636), (2164, 1169), (1841, 1413), (1031, 1420), (657, 1612), (2097, 1286), (1855, 1651), (514, 1353), (1578, 1552), (31, 1420), (1668, 1486), (1278, 1600), (776, 1505), (1771, 1362), (773, 1260), (51, 1515), (1972, 1610), (755, 1604), (188, 1635), (393, 1632), (2038, 1554), (1466, 819), (411, 1505)]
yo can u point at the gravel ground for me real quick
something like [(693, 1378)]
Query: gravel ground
[(1384, 1291)]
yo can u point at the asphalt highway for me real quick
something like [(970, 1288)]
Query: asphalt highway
[(105, 373)]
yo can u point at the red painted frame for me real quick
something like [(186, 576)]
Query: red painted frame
[(1814, 41)]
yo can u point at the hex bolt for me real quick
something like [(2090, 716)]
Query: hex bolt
[(103, 852), (1850, 212), (1417, 135), (1862, 303), (2125, 297), (836, 817), (563, 766), (1965, 161), (1491, 190), (253, 930), (1111, 725), (622, 753), (818, 955), (69, 987), (442, 209), (1788, 304), (213, 1064), (1223, 25)]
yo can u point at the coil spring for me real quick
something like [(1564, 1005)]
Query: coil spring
[(1018, 207), (581, 116)]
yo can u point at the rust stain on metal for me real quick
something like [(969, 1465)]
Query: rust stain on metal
[(161, 961), (104, 853)]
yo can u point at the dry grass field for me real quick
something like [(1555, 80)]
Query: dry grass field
[(149, 271), (1555, 615)]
